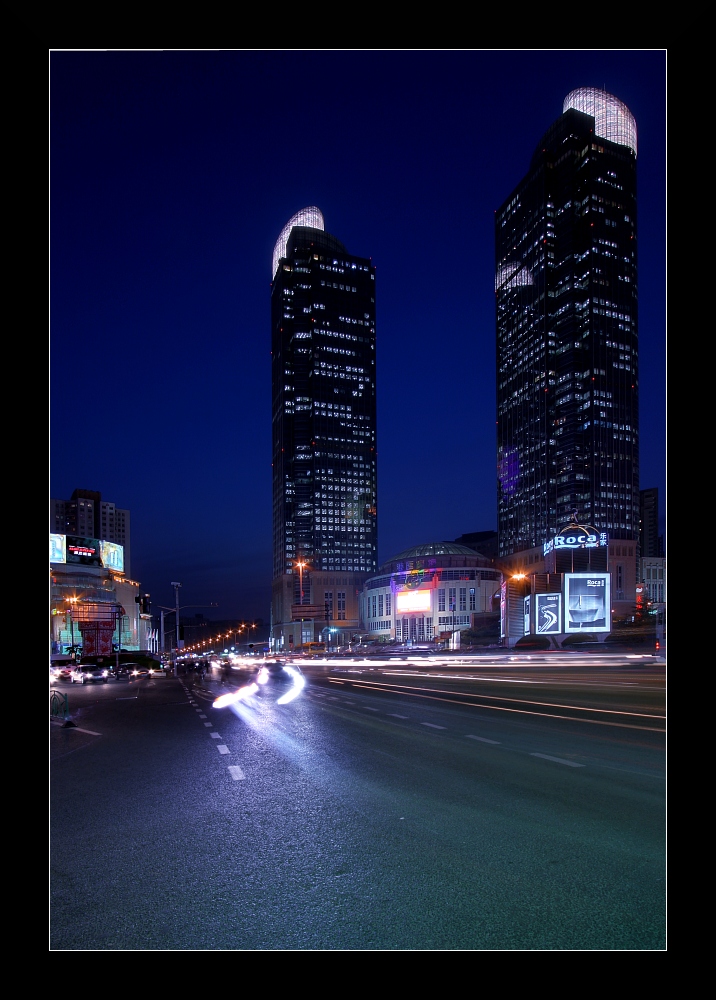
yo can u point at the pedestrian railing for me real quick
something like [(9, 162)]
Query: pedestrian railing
[(59, 707)]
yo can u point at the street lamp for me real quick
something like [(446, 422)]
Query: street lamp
[(300, 580), (72, 600), (301, 566)]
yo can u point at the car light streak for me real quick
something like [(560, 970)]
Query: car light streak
[(299, 682), (230, 699), (435, 695)]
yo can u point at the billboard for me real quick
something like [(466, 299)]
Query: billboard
[(588, 602), (58, 552), (548, 613), (83, 550), (527, 607), (112, 555), (86, 552), (412, 601)]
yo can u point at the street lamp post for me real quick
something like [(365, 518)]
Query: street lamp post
[(300, 588), (72, 600)]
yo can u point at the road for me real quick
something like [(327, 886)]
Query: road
[(462, 814)]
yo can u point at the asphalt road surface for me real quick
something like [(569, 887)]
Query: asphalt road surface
[(362, 817)]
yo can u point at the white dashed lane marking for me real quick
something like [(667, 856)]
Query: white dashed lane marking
[(223, 749), (236, 773), (557, 760), (215, 736), (432, 725), (208, 724)]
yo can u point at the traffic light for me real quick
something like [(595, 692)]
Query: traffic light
[(328, 611), (146, 604), (181, 631)]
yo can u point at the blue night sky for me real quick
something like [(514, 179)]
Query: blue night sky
[(171, 175)]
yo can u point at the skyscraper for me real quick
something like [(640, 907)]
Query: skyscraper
[(324, 432), (567, 348), (652, 543)]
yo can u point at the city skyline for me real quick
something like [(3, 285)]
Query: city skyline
[(171, 176)]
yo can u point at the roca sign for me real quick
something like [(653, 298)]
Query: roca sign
[(575, 541), (579, 538)]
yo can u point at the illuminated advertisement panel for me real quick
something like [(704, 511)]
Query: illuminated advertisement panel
[(548, 613), (82, 550), (57, 548), (588, 602), (112, 555), (411, 601), (527, 605)]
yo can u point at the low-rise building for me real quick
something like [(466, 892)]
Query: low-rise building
[(428, 592)]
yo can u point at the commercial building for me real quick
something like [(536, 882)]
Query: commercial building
[(567, 342), (429, 592), (94, 604), (325, 521), (86, 514)]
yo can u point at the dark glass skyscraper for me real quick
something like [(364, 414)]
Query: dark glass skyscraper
[(324, 429), (567, 351)]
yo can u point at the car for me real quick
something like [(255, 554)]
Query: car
[(137, 669), (84, 673), (61, 666), (120, 669)]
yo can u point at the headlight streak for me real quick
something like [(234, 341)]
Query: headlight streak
[(230, 699), (262, 717), (299, 683)]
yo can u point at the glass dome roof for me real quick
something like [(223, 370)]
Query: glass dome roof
[(311, 217), (612, 118), (433, 549)]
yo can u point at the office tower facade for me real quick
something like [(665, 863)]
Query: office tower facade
[(87, 515), (567, 339), (653, 553), (323, 432), (652, 543)]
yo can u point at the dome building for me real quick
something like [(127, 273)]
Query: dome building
[(428, 592)]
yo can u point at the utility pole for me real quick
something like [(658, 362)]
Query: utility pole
[(175, 611), (176, 587)]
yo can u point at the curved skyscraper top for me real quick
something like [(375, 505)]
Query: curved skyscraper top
[(612, 118), (311, 217)]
